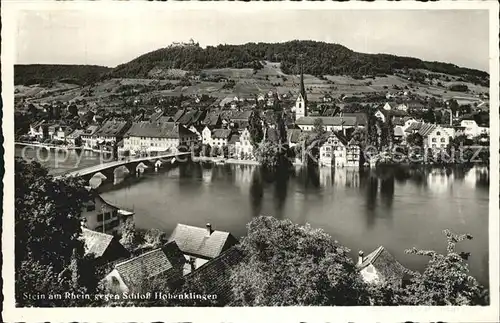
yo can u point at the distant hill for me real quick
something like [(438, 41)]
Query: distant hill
[(319, 59), (46, 73)]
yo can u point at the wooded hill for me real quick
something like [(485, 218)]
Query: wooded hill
[(319, 59), (47, 73)]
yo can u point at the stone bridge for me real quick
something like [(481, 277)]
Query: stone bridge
[(116, 171)]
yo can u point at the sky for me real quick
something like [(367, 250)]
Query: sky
[(110, 38)]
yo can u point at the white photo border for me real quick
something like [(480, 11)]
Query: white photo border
[(10, 12)]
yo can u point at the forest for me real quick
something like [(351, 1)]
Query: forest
[(48, 73), (320, 58)]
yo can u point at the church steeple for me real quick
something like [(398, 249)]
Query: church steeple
[(302, 87), (301, 102)]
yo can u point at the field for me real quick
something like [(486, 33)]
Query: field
[(248, 83)]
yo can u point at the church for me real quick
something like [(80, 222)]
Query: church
[(301, 102)]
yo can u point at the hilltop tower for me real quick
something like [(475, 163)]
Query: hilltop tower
[(301, 102)]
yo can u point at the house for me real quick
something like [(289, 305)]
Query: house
[(234, 139), (111, 132), (386, 115), (99, 215), (216, 273), (39, 130), (143, 137), (62, 132), (165, 263), (294, 136), (199, 245), (75, 137), (339, 123), (52, 131), (380, 267), (400, 124), (105, 248), (206, 136), (433, 136), (220, 137), (88, 138), (244, 147), (472, 129), (333, 151), (212, 120), (240, 118), (388, 106), (337, 151)]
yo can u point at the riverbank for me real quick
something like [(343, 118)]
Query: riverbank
[(50, 146)]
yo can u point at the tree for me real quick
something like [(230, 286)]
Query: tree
[(255, 128), (446, 279), (49, 252), (129, 236), (154, 238), (287, 264)]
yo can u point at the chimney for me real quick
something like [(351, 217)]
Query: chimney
[(360, 258), (209, 229), (192, 263)]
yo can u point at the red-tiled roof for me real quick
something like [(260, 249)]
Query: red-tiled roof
[(196, 241)]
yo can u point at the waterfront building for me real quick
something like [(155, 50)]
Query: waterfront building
[(165, 263), (39, 130), (99, 215), (75, 137), (88, 138), (144, 137), (244, 147), (337, 151), (220, 137), (433, 136), (104, 247), (62, 132), (199, 245), (380, 267), (111, 132)]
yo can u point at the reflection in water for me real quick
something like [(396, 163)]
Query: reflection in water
[(256, 193), (397, 207)]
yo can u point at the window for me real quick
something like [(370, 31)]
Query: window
[(433, 145), (443, 140), (433, 139), (443, 145), (438, 133)]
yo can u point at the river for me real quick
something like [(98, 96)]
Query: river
[(397, 208)]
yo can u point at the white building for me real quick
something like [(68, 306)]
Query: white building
[(144, 137), (472, 129), (329, 123), (338, 152), (244, 147), (88, 138)]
